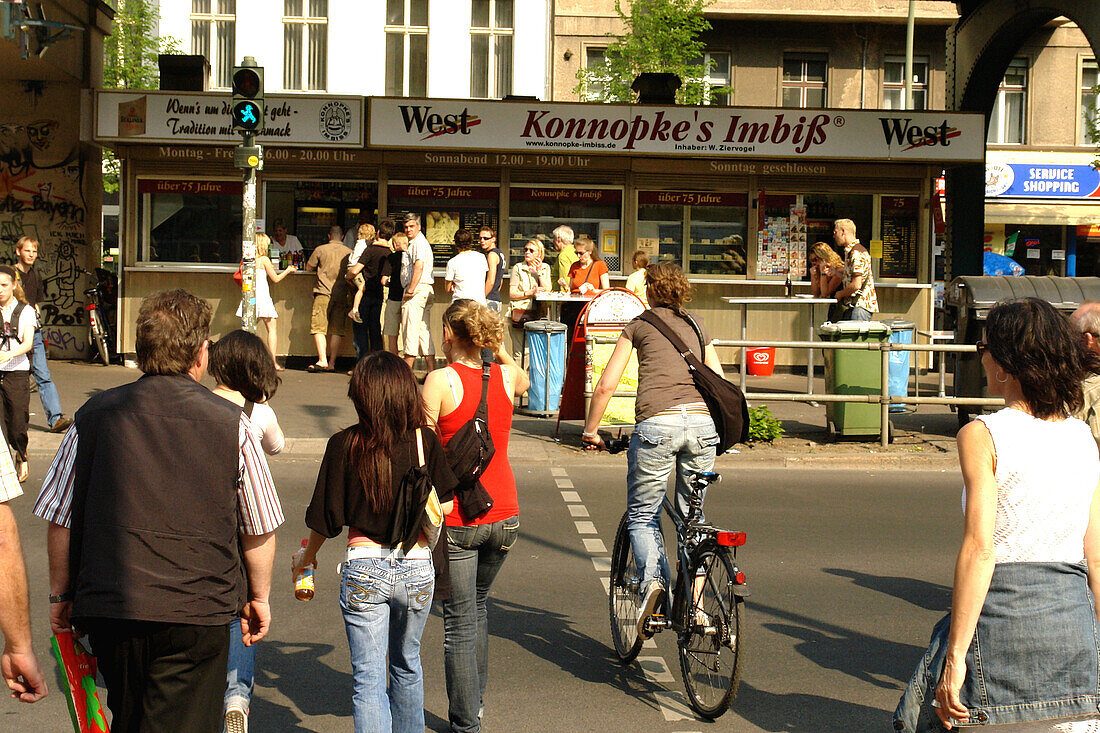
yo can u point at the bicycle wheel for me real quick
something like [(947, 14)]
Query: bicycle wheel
[(710, 647), (99, 337), (623, 597)]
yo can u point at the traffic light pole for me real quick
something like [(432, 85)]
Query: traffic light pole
[(248, 246)]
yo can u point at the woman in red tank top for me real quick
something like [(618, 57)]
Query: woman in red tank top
[(476, 547)]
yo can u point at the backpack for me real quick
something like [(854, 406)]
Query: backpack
[(725, 401), (10, 332), (469, 451)]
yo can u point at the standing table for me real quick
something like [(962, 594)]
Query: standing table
[(808, 302), (553, 303), (941, 357)]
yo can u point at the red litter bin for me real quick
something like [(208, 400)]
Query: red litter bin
[(761, 361)]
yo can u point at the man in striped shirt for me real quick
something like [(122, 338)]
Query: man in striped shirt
[(162, 517)]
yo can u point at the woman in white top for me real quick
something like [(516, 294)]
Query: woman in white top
[(1020, 643), (16, 342), (528, 278), (265, 306), (246, 377), (466, 271)]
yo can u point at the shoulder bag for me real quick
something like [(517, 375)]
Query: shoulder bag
[(432, 521), (469, 451), (724, 399)]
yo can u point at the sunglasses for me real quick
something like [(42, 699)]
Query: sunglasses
[(529, 249), (982, 347), (484, 239)]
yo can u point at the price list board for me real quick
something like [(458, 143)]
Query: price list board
[(899, 236)]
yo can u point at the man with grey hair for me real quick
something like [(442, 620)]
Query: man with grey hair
[(1087, 320), (559, 266)]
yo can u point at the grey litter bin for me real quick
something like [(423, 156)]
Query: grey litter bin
[(901, 332), (546, 344), (967, 301)]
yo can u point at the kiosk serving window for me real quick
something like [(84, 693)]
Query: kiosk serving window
[(309, 209), (445, 208), (190, 221), (703, 231), (791, 223), (537, 212)]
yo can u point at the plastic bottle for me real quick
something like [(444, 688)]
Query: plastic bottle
[(303, 584), (789, 287)]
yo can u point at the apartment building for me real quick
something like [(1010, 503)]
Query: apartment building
[(817, 54)]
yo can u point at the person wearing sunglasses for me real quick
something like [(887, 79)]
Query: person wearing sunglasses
[(528, 278), (487, 240), (1019, 643)]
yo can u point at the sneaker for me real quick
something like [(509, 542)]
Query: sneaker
[(236, 721), (651, 601), (61, 425)]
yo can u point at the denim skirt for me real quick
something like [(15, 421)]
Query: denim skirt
[(1035, 653)]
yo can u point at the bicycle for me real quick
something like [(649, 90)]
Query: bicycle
[(97, 328), (705, 613)]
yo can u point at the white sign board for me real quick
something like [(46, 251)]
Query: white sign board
[(534, 127), (190, 118)]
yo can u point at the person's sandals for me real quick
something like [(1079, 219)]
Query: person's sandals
[(23, 470), (315, 368)]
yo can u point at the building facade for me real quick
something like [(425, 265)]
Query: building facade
[(50, 186)]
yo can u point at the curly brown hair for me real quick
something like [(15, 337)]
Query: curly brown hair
[(474, 323), (1039, 346), (667, 286)]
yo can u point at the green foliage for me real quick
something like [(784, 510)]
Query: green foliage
[(660, 36), (1093, 121), (130, 60), (763, 426)]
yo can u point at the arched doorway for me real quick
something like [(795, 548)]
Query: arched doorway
[(980, 46)]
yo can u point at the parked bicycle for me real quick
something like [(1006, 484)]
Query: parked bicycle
[(706, 609), (96, 301)]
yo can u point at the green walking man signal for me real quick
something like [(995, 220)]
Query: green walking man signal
[(248, 97)]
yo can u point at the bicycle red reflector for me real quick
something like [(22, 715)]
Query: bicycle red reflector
[(90, 307), (739, 578), (731, 539)]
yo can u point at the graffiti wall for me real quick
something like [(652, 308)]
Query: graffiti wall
[(41, 171)]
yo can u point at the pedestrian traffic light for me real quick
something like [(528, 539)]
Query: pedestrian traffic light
[(248, 97)]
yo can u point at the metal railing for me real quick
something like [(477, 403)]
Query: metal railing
[(883, 397)]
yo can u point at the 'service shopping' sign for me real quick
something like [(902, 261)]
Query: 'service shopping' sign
[(427, 124), (204, 118)]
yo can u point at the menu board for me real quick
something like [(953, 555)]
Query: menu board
[(899, 237)]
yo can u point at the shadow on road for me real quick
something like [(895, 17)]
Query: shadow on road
[(921, 593), (804, 713), (879, 662), (295, 670)]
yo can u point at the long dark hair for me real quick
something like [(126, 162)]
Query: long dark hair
[(1040, 347), (241, 361), (389, 406)]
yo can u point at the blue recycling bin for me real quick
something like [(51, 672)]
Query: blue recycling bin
[(546, 346), (901, 332)]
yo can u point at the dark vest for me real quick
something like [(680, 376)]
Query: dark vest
[(498, 278), (154, 515)]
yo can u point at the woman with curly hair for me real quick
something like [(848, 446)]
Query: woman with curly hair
[(674, 428), (826, 275), (477, 547), (1031, 521)]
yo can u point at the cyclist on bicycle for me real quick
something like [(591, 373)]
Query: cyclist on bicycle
[(673, 426)]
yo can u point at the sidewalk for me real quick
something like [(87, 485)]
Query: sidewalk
[(311, 407)]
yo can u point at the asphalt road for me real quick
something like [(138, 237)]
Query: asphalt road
[(849, 570)]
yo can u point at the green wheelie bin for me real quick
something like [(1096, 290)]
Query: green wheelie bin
[(853, 371)]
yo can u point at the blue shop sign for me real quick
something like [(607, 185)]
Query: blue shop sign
[(1027, 180)]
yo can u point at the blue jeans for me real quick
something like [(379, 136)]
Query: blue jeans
[(855, 313), (241, 677), (686, 442), (476, 553), (51, 402), (386, 603)]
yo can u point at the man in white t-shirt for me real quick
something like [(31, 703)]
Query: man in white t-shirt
[(417, 278), (284, 242), (467, 270)]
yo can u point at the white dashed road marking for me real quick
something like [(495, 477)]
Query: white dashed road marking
[(673, 704)]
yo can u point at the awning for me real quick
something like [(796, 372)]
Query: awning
[(1057, 214)]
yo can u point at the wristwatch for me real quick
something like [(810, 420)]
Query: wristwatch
[(63, 598)]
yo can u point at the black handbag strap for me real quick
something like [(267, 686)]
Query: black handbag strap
[(483, 406), (657, 322)]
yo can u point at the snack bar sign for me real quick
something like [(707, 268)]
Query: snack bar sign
[(204, 118), (709, 131)]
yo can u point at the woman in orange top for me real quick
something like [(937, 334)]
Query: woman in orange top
[(588, 275)]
